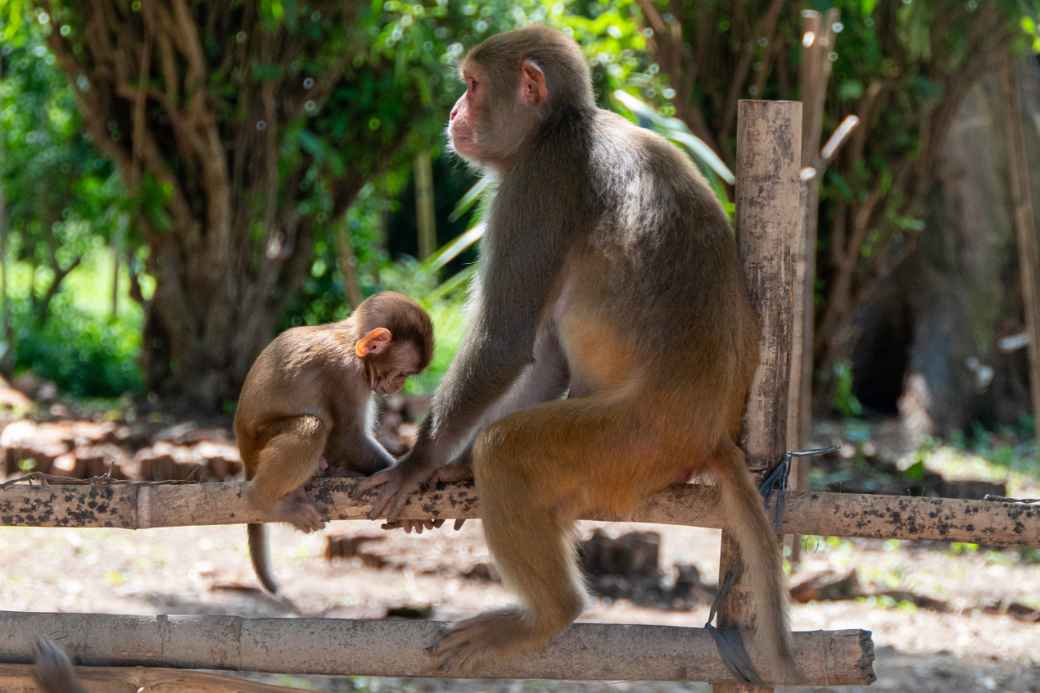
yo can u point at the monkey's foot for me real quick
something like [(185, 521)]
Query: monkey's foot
[(493, 634), (300, 514)]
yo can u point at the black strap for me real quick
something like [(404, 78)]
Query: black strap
[(727, 640)]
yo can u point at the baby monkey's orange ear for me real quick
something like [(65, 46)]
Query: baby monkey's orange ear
[(375, 342)]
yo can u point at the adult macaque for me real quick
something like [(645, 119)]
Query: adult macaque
[(608, 268), (307, 403)]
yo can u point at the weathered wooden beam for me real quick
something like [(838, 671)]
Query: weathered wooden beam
[(129, 506), (393, 647)]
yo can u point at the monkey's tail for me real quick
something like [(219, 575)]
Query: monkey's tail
[(763, 567), (54, 672), (259, 556)]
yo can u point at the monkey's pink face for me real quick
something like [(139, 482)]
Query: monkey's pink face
[(387, 375), (462, 123), (490, 123)]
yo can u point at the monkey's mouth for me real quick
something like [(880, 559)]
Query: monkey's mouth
[(462, 142)]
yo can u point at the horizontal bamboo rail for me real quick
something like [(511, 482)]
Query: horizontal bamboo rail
[(17, 678), (396, 647), (144, 506)]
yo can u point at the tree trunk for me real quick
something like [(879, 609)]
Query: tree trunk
[(929, 345), (1025, 224), (117, 255), (425, 218), (202, 331)]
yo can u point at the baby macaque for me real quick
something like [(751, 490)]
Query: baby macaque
[(306, 406)]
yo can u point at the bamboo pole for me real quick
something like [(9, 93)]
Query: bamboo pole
[(148, 506), (1025, 226), (6, 326), (768, 220), (17, 678), (397, 647), (424, 207)]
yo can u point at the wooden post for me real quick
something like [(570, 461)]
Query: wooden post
[(1025, 226), (769, 155), (813, 75), (424, 209)]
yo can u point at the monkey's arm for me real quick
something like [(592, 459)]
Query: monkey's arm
[(375, 457), (519, 274), (545, 379)]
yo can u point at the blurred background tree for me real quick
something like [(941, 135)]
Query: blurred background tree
[(243, 132)]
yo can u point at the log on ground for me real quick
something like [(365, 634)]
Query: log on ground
[(339, 647), (143, 506)]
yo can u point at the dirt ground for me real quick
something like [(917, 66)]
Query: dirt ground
[(203, 570)]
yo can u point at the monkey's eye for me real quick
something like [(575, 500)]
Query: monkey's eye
[(472, 86)]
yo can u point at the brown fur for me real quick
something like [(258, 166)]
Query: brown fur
[(306, 400), (609, 263)]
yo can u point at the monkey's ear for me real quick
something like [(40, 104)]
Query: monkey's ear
[(375, 342), (533, 89)]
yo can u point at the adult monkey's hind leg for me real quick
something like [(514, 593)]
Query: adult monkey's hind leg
[(536, 472)]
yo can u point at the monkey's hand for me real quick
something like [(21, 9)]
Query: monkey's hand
[(449, 473), (389, 489)]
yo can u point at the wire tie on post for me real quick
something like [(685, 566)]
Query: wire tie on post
[(775, 482)]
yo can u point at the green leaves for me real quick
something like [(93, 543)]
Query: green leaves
[(676, 130), (85, 355), (61, 192), (12, 21)]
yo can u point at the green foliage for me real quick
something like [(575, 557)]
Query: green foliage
[(845, 401), (1011, 448), (84, 355), (395, 93), (62, 195), (449, 323)]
